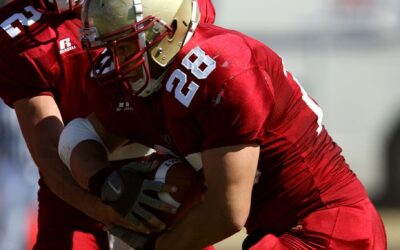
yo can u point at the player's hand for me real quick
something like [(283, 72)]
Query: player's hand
[(126, 190), (134, 240), (110, 218)]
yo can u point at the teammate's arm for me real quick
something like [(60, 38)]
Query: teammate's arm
[(89, 156), (84, 146), (229, 173), (41, 125)]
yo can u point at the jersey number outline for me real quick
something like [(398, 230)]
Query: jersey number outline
[(200, 65), (9, 24), (310, 102)]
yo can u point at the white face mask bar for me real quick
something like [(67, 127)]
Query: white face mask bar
[(62, 5), (65, 5)]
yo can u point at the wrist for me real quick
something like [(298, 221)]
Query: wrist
[(97, 180), (151, 242)]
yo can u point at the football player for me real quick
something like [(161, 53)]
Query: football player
[(226, 103), (41, 78)]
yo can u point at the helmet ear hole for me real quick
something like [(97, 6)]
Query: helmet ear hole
[(174, 26)]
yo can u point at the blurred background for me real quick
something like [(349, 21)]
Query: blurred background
[(345, 53), (18, 185)]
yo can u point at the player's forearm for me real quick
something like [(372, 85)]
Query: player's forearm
[(229, 172), (43, 147), (59, 180), (205, 225), (88, 158), (41, 124), (84, 146)]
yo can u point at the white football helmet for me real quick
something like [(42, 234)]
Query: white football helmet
[(142, 36), (58, 6)]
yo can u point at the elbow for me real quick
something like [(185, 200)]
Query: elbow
[(235, 221), (238, 223), (232, 214), (232, 227)]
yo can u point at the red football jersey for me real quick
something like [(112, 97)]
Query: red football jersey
[(225, 88), (39, 56)]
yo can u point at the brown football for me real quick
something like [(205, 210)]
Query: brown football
[(173, 171)]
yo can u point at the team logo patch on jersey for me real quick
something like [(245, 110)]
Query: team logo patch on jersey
[(123, 106), (66, 45)]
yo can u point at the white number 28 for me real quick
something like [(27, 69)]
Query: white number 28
[(200, 65)]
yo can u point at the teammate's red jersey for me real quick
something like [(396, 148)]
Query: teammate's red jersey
[(223, 89), (38, 53)]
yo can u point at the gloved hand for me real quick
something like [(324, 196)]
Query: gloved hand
[(126, 190)]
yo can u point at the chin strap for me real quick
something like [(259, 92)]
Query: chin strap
[(154, 85)]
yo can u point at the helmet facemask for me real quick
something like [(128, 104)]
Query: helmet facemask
[(58, 6), (135, 47), (129, 48)]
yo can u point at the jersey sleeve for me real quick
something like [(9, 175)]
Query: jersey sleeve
[(21, 77), (239, 111), (207, 11)]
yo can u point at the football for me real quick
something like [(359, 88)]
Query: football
[(174, 171)]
